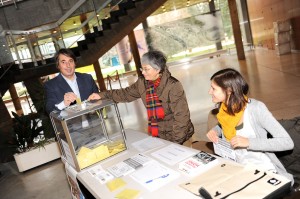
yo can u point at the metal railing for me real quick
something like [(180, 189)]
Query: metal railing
[(34, 45), (111, 78), (9, 2)]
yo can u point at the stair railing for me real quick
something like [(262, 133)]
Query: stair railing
[(54, 32), (102, 12), (6, 70)]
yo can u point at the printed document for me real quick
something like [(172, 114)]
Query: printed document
[(173, 154), (147, 144), (154, 176)]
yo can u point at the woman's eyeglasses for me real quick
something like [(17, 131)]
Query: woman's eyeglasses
[(145, 69)]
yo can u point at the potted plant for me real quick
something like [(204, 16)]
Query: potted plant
[(33, 147)]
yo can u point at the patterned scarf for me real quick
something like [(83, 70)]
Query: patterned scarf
[(155, 110), (229, 122)]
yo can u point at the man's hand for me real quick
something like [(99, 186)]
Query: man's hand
[(69, 98), (94, 96)]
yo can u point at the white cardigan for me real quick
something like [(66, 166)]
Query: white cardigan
[(262, 122)]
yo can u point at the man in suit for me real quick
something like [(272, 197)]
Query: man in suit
[(69, 86)]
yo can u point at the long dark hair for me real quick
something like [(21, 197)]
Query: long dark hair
[(231, 80)]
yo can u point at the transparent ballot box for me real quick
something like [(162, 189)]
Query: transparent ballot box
[(89, 132)]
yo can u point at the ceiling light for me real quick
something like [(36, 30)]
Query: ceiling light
[(74, 23), (54, 31), (22, 37)]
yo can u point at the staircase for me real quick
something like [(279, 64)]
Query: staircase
[(130, 14)]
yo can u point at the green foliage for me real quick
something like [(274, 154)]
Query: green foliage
[(25, 129)]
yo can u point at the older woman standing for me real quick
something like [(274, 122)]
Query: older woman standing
[(163, 97)]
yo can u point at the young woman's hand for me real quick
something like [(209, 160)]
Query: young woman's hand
[(212, 135), (239, 142)]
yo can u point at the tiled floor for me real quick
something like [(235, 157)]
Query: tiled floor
[(273, 79)]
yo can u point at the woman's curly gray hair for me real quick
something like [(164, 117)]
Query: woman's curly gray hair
[(156, 59)]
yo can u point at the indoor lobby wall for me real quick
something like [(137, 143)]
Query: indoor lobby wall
[(262, 14)]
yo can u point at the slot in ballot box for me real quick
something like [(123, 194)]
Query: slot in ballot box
[(89, 132)]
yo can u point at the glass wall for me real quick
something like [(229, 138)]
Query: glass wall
[(181, 32)]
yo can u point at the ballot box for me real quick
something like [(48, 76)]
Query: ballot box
[(89, 132)]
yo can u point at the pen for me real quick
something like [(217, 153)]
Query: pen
[(163, 176)]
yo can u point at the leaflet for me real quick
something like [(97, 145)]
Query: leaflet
[(224, 149), (100, 174), (198, 163)]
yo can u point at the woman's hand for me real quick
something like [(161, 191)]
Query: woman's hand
[(69, 98), (212, 135), (94, 96), (239, 142)]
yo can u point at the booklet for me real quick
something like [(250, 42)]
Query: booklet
[(120, 169), (129, 165), (198, 163), (138, 161)]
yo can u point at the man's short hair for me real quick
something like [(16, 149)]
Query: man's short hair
[(64, 51)]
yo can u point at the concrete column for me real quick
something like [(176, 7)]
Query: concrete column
[(246, 24), (124, 53), (30, 47), (135, 52), (236, 29), (212, 8), (148, 36), (85, 28), (15, 99), (5, 124), (99, 76)]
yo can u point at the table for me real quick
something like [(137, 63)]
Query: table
[(92, 188)]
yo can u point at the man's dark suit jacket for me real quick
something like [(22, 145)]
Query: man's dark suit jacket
[(56, 88)]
